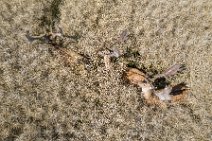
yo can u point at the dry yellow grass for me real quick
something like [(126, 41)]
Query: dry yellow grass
[(43, 98)]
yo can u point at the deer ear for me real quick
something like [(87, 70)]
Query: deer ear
[(173, 70)]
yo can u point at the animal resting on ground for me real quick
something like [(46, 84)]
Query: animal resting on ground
[(150, 91)]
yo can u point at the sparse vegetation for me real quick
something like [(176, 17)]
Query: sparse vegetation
[(45, 97)]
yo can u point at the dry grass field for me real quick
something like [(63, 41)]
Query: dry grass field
[(44, 97)]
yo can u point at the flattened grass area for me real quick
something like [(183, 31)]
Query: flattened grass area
[(44, 98)]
